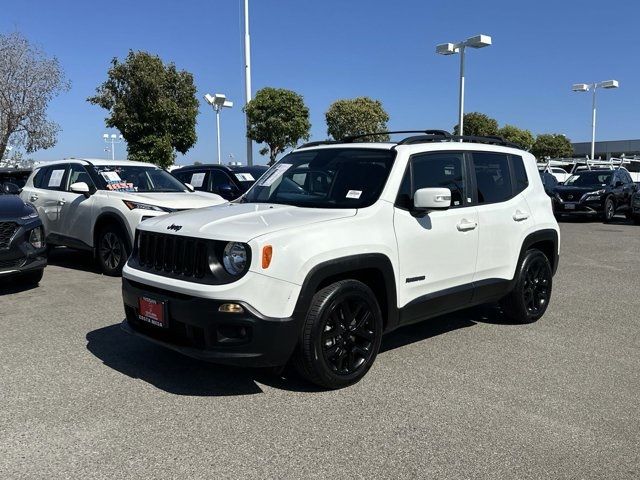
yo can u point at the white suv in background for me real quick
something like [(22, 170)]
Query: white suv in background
[(97, 204), (339, 243)]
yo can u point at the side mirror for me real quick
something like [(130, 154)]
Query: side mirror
[(11, 189), (227, 190), (81, 188), (618, 184), (190, 187), (426, 199)]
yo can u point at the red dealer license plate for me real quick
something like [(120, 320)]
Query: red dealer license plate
[(152, 311)]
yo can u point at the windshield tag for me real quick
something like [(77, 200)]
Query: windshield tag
[(354, 194), (275, 174), (111, 176), (245, 177)]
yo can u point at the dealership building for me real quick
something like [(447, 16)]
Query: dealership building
[(608, 149)]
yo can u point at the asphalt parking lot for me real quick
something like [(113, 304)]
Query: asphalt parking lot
[(462, 396)]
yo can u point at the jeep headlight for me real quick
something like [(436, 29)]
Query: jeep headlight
[(234, 258), (36, 238)]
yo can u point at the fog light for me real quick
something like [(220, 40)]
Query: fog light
[(35, 238), (230, 308)]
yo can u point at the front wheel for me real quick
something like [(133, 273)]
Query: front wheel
[(609, 209), (341, 335), (113, 250), (530, 297)]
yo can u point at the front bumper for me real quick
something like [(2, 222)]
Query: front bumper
[(594, 207), (197, 329), (20, 256)]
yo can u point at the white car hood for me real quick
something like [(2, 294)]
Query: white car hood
[(178, 200), (241, 221)]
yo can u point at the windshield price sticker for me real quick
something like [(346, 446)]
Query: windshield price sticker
[(121, 187), (245, 177), (56, 178), (275, 174), (111, 176), (354, 194), (197, 179)]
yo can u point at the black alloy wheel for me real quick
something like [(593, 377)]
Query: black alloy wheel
[(113, 251), (341, 335), (529, 299)]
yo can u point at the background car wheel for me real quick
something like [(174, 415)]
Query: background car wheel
[(636, 220), (341, 335), (31, 278), (530, 297), (609, 209), (112, 250)]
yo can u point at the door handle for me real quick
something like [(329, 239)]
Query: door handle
[(62, 201), (465, 225), (33, 198), (520, 216)]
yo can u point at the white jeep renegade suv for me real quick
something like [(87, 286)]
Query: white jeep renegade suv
[(97, 204), (339, 243)]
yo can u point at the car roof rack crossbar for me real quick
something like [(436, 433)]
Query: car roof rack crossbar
[(489, 139), (439, 133)]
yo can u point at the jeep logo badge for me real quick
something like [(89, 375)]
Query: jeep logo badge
[(174, 227)]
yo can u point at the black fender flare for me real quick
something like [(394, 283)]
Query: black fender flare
[(546, 235), (340, 267)]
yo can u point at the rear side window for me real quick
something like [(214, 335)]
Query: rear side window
[(519, 174), (39, 175), (493, 178)]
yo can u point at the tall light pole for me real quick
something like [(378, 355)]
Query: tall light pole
[(247, 77), (218, 102), (585, 87), (479, 41), (113, 139)]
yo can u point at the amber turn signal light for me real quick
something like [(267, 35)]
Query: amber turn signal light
[(267, 253)]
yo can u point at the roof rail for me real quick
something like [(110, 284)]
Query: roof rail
[(352, 138), (318, 142)]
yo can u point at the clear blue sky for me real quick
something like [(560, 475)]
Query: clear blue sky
[(331, 49)]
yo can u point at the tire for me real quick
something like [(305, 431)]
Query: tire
[(341, 335), (529, 299), (609, 209), (31, 278), (636, 219), (112, 250)]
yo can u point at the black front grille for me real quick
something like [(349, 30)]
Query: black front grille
[(7, 230), (172, 254), (570, 196)]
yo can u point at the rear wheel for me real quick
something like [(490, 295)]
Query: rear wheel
[(113, 250), (609, 209), (341, 335), (529, 299)]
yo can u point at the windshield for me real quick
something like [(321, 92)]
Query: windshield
[(589, 179), (325, 178), (120, 178)]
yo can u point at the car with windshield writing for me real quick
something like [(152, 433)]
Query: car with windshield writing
[(341, 242), (597, 192), (228, 181), (96, 205)]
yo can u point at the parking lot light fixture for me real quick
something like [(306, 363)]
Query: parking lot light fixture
[(112, 140), (218, 101), (585, 87), (478, 41)]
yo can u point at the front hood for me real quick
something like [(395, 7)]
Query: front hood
[(177, 200), (12, 207), (242, 221)]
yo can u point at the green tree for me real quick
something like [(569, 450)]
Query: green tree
[(554, 145), (357, 116), (523, 138), (29, 80), (279, 118), (152, 104), (476, 123)]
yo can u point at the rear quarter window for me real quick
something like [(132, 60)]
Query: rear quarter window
[(520, 179)]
